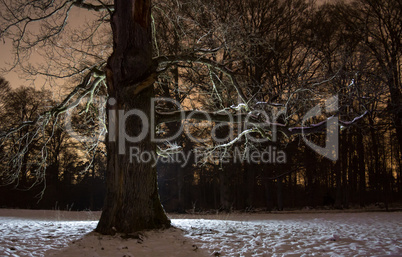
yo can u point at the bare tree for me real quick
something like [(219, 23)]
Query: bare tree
[(377, 25), (4, 90), (132, 201)]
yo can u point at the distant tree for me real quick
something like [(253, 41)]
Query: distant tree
[(19, 158), (4, 90), (377, 24)]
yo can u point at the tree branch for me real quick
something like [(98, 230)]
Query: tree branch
[(92, 7), (64, 105), (169, 60), (249, 119)]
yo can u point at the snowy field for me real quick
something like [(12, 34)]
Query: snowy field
[(58, 233)]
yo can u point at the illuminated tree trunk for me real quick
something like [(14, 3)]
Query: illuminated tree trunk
[(132, 201)]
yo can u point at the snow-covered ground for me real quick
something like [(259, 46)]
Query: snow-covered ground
[(58, 233)]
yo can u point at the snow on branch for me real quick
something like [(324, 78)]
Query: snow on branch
[(250, 120), (318, 127), (38, 130)]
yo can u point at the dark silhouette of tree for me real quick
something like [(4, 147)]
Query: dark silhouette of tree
[(4, 90), (18, 157), (377, 25)]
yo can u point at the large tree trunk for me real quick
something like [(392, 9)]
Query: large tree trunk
[(132, 201)]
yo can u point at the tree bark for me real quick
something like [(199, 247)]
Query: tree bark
[(132, 202)]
